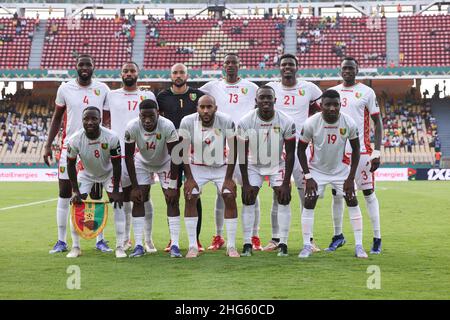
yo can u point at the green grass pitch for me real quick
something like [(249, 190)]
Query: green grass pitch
[(415, 223)]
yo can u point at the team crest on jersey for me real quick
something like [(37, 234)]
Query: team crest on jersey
[(143, 98), (342, 131), (97, 92), (193, 96), (158, 136), (358, 95), (244, 90), (301, 92), (62, 169), (104, 146), (276, 129), (217, 131)]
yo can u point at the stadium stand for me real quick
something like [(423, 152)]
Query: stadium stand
[(203, 43), (323, 41), (15, 42), (424, 40), (24, 122), (107, 40)]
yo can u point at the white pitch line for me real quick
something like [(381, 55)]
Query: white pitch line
[(27, 204)]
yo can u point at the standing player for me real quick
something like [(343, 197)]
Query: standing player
[(235, 97), (298, 99), (99, 150), (71, 99), (206, 134), (175, 103), (122, 106), (155, 136), (360, 103), (329, 132), (265, 131)]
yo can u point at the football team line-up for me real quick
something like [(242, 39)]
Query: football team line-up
[(224, 133)]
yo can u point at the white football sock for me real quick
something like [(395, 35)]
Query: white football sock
[(75, 236), (148, 222), (191, 228), (174, 227), (231, 232), (248, 218), (257, 218), (356, 221), (220, 211), (274, 217), (284, 221), (62, 214), (337, 211), (373, 208), (127, 208), (138, 228), (119, 221), (307, 225), (100, 237)]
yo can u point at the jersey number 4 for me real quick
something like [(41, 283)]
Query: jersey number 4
[(86, 100)]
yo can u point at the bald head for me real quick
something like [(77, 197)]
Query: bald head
[(206, 110), (179, 75), (207, 99)]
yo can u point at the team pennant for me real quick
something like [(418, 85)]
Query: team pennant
[(89, 218)]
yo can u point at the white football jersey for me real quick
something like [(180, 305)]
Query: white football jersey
[(208, 144), (294, 101), (266, 138), (123, 106), (359, 102), (75, 98), (95, 154), (328, 140), (152, 146), (233, 99)]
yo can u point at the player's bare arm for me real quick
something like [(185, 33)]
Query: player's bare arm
[(136, 193), (284, 191), (172, 193), (54, 129), (311, 185), (375, 157), (228, 183), (116, 197), (249, 192), (106, 119), (349, 184), (72, 172)]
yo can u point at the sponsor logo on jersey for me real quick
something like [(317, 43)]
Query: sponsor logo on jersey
[(342, 131), (301, 92), (244, 90), (104, 146), (158, 136), (358, 95), (97, 92), (193, 96)]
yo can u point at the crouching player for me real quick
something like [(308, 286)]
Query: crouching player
[(154, 136), (99, 151), (329, 131)]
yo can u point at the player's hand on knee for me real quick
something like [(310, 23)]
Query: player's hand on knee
[(76, 199), (229, 187), (117, 199), (349, 189), (311, 188), (284, 194), (136, 195), (189, 186)]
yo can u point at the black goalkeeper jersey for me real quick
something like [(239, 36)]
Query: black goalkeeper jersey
[(176, 106)]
